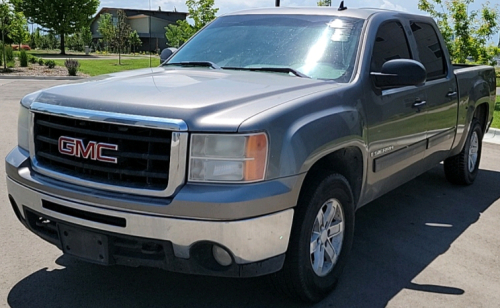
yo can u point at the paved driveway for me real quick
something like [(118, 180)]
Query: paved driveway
[(426, 244)]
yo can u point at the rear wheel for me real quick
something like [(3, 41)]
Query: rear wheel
[(321, 239), (462, 168)]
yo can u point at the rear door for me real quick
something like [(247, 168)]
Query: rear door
[(440, 88)]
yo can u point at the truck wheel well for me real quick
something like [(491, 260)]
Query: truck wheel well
[(481, 114), (348, 162)]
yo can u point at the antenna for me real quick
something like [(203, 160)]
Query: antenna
[(342, 7), (277, 3)]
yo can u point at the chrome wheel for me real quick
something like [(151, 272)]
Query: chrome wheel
[(473, 151), (327, 237)]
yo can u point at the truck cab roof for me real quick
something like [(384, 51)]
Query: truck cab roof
[(362, 13)]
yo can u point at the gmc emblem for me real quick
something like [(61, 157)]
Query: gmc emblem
[(75, 147)]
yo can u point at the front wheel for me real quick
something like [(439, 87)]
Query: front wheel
[(462, 168), (321, 239)]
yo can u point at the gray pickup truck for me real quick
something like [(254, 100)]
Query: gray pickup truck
[(249, 150)]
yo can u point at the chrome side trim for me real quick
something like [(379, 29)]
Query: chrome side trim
[(110, 117), (178, 147)]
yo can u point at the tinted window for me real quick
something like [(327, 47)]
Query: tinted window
[(390, 43), (429, 49)]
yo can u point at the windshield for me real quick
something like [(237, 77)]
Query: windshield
[(320, 47)]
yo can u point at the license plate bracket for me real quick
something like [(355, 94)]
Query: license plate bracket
[(86, 245)]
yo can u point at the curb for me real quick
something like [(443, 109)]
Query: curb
[(43, 77), (492, 136)]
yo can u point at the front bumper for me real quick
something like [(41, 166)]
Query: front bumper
[(256, 245)]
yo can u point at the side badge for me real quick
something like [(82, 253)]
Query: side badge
[(381, 151)]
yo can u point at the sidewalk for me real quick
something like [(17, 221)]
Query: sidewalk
[(492, 136)]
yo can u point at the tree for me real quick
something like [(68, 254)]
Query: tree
[(135, 40), (325, 3), (179, 33), (32, 41), (122, 34), (19, 29), (39, 41), (74, 42), (465, 32), (64, 17), (86, 36), (6, 16), (51, 40), (106, 28), (201, 11)]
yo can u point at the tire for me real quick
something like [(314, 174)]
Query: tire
[(462, 168), (302, 276)]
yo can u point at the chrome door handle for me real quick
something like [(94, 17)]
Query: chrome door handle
[(451, 94), (419, 104)]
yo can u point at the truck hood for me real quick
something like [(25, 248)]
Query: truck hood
[(206, 99)]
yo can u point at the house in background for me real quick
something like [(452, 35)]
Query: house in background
[(150, 25)]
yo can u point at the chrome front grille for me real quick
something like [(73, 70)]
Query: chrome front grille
[(150, 158), (143, 155)]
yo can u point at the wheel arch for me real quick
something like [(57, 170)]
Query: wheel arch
[(481, 114), (348, 161)]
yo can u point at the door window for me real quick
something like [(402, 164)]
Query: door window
[(429, 50), (390, 43)]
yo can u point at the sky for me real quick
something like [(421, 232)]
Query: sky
[(227, 6)]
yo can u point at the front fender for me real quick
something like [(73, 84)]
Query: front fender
[(304, 130)]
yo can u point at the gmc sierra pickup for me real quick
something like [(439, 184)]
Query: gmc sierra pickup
[(249, 150)]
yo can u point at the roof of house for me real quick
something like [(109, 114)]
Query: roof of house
[(135, 12)]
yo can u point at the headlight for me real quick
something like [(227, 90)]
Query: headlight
[(228, 158), (23, 128)]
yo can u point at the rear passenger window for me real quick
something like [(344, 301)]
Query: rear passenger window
[(429, 50), (390, 43)]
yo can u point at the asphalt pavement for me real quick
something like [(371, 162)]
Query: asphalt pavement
[(426, 244)]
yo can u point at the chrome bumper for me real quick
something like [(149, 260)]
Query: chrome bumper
[(249, 240)]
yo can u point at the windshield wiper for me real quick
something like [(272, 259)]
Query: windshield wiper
[(287, 70), (194, 64)]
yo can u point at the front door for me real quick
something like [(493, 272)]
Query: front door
[(396, 118)]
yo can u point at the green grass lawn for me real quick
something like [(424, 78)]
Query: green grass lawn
[(496, 115), (100, 67)]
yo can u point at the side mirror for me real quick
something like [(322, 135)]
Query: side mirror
[(167, 53), (400, 72)]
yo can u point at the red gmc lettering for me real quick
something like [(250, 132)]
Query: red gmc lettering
[(93, 150), (106, 146), (85, 152), (66, 146)]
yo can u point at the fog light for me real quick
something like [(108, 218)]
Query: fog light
[(221, 255)]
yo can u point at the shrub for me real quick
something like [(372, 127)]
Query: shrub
[(72, 66), (9, 54), (41, 62), (50, 64), (23, 58), (32, 59)]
